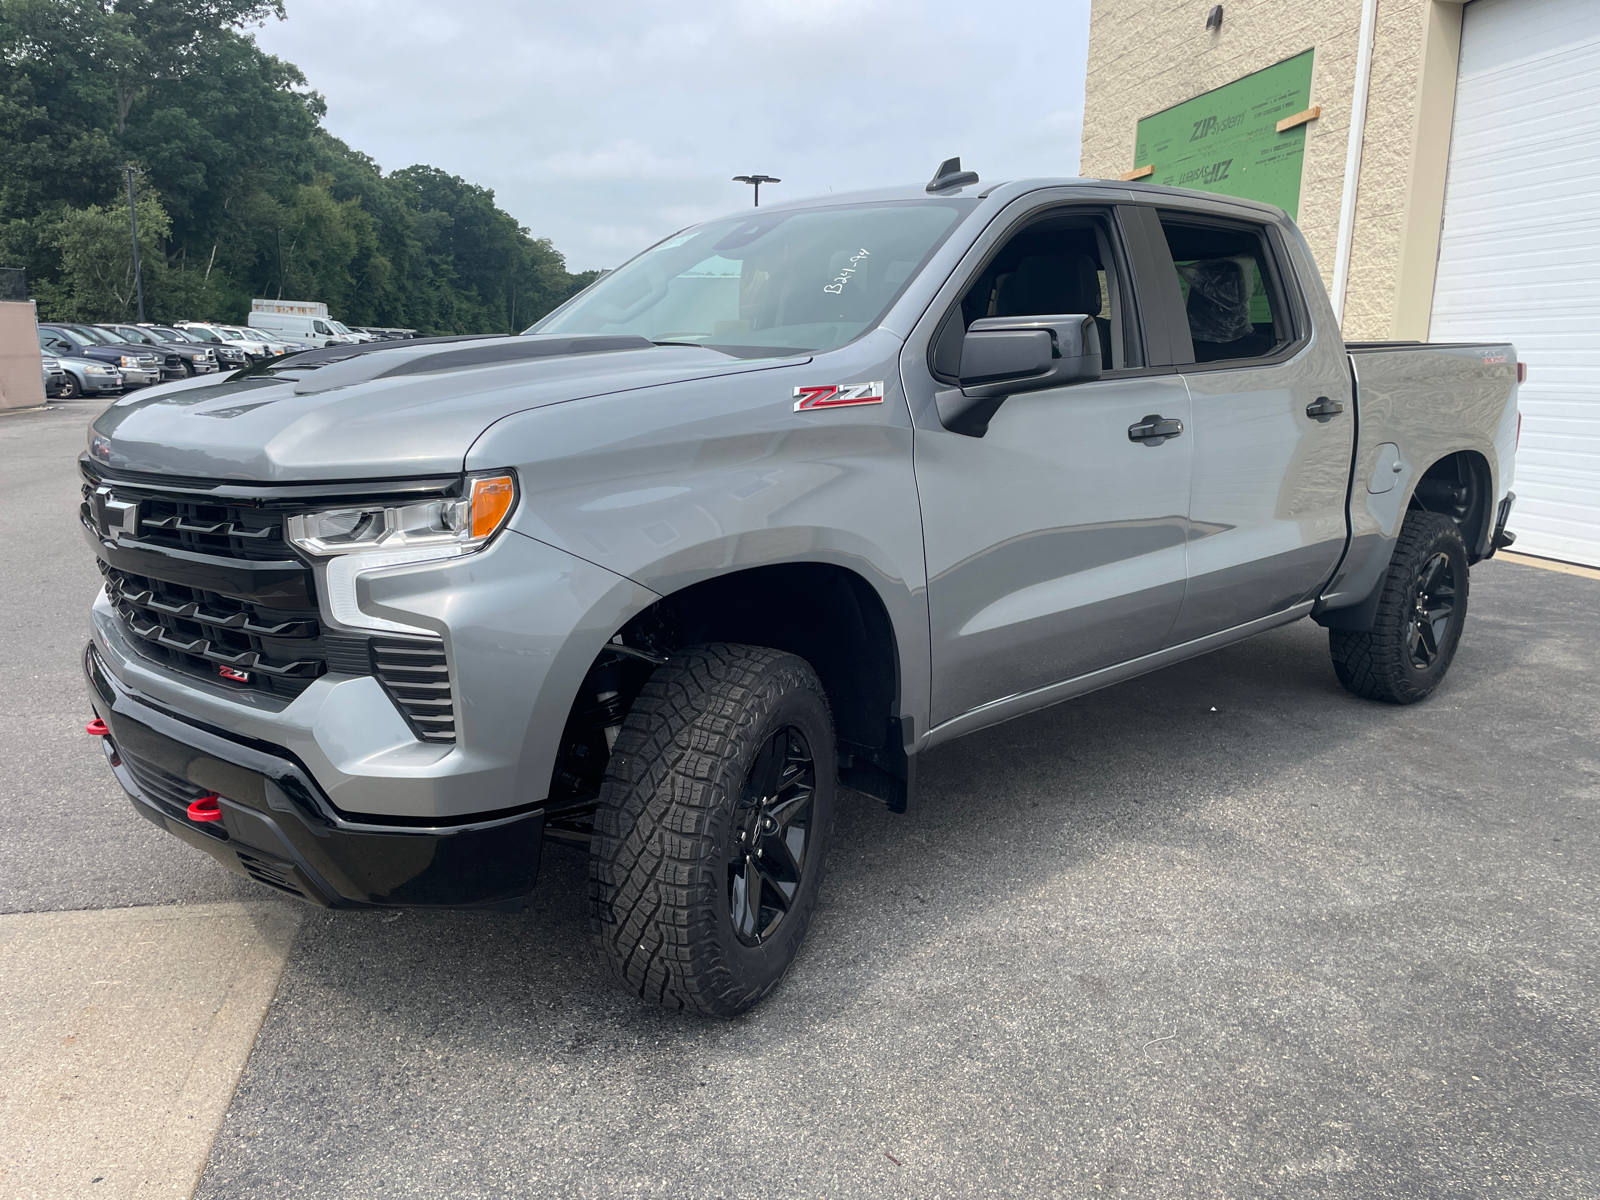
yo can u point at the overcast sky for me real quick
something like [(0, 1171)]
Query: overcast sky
[(607, 124)]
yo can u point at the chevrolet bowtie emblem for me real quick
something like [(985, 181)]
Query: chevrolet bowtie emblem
[(113, 517)]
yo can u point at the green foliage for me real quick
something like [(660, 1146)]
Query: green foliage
[(234, 163)]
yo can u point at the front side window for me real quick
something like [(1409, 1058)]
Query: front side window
[(771, 283), (1230, 292), (320, 327), (1061, 264)]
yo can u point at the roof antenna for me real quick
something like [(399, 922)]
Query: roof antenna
[(950, 175)]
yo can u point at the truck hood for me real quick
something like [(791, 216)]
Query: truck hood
[(414, 410)]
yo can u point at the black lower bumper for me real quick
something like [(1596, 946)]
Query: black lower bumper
[(279, 829)]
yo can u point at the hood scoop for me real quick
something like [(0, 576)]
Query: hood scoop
[(418, 359)]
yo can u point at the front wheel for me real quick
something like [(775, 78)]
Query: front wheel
[(1418, 624), (70, 389), (712, 828)]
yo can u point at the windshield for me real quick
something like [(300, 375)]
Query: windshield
[(779, 282), (111, 336), (136, 336), (173, 335), (339, 327), (200, 335), (75, 336)]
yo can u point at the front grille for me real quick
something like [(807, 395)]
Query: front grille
[(202, 632), (414, 673), (233, 530), (208, 586)]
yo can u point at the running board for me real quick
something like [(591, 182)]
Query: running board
[(997, 711)]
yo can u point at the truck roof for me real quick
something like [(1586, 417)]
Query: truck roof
[(1004, 191)]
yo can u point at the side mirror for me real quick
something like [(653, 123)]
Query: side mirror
[(1001, 356)]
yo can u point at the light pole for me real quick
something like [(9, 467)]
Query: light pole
[(280, 261), (756, 181), (133, 221)]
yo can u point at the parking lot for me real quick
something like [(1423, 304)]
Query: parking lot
[(1224, 930)]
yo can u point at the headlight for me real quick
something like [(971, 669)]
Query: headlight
[(356, 541), (97, 369), (129, 360), (439, 528)]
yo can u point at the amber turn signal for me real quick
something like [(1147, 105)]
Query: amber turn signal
[(492, 499)]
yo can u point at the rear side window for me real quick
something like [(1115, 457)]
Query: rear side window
[(1232, 294)]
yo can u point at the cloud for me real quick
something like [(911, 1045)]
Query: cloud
[(604, 126)]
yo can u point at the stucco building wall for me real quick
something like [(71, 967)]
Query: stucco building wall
[(20, 383), (1147, 55)]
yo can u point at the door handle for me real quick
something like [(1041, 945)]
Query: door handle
[(1323, 408), (1154, 429)]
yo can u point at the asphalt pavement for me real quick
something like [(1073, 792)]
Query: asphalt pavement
[(1224, 930)]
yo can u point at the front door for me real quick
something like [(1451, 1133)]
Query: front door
[(1055, 542)]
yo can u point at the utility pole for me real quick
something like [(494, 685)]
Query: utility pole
[(756, 181), (133, 221), (280, 261)]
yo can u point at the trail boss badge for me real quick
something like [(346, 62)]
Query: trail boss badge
[(838, 395)]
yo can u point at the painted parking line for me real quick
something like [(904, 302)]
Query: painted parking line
[(122, 1036), (1549, 564)]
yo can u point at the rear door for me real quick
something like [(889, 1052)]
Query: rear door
[(1055, 541), (1273, 420)]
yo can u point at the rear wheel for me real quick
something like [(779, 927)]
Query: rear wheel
[(713, 827), (1418, 624)]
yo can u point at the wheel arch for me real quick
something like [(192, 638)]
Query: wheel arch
[(1459, 485), (824, 612)]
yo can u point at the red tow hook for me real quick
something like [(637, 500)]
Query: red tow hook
[(206, 808), (97, 728)]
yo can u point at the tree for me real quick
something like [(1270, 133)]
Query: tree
[(231, 149)]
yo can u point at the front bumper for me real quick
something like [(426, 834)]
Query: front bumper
[(280, 829), (139, 377)]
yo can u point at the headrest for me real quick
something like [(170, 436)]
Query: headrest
[(1050, 283), (1219, 298)]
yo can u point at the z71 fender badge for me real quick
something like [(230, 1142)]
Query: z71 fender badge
[(837, 395)]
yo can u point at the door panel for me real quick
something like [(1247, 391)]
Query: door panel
[(1055, 544), (1267, 505), (1270, 478)]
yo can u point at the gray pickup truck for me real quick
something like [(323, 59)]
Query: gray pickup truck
[(773, 508)]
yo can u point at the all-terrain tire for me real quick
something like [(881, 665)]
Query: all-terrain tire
[(1409, 649), (680, 826)]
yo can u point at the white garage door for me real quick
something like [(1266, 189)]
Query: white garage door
[(1519, 258)]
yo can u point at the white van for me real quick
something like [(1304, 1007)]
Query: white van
[(316, 330)]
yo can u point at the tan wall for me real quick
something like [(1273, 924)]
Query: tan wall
[(20, 384), (1147, 55)]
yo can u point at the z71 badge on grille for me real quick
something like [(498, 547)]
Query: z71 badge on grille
[(838, 395)]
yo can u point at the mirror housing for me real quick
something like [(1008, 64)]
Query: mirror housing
[(1001, 356)]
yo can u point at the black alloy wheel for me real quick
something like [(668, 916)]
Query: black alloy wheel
[(712, 827), (1430, 618), (767, 862), (1422, 606)]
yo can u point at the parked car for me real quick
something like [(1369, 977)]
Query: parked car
[(256, 349), (778, 506), (83, 376), (55, 378), (193, 359), (273, 346), (134, 367), (230, 354)]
